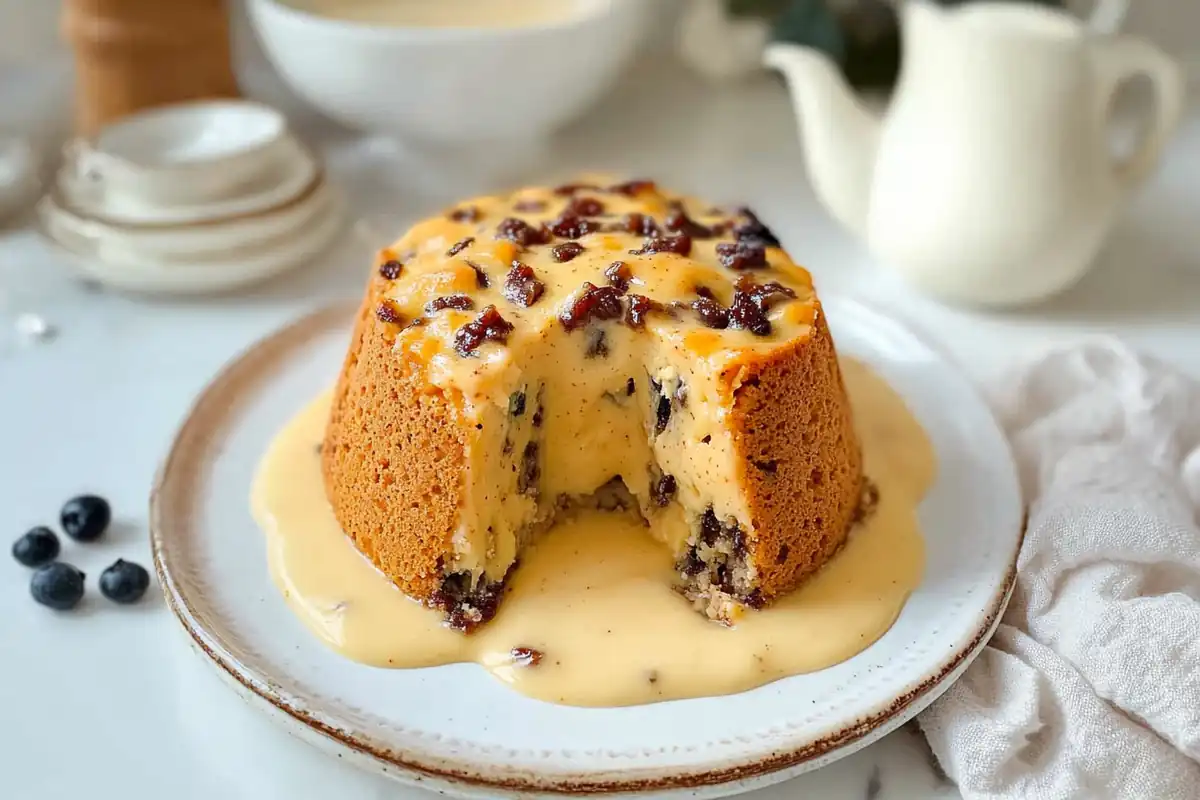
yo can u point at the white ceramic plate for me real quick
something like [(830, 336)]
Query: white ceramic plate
[(174, 243), (455, 728), (287, 175), (217, 271)]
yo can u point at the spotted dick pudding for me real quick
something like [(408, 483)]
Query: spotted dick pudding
[(596, 343)]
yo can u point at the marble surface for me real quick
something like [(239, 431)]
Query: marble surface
[(110, 703)]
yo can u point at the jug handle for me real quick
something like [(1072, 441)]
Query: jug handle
[(1122, 58)]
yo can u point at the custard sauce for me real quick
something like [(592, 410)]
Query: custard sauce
[(591, 617)]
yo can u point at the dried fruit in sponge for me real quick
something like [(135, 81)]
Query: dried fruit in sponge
[(518, 353)]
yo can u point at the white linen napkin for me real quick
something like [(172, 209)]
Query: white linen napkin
[(1091, 686)]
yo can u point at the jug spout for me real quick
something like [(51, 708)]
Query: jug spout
[(840, 136)]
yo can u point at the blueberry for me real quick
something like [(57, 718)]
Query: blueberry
[(57, 585), (124, 582), (86, 517), (37, 547)]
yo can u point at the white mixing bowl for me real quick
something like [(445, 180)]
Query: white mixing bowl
[(452, 85)]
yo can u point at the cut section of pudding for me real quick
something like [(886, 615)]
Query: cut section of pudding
[(599, 344)]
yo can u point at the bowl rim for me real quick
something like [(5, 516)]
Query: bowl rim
[(586, 12), (275, 130)]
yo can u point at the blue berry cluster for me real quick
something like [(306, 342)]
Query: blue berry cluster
[(59, 585)]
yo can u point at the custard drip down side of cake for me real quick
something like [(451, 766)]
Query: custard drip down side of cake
[(601, 344)]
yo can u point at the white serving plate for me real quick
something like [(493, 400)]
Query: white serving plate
[(218, 270), (457, 730)]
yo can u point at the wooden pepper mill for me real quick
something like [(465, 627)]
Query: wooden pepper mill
[(135, 54)]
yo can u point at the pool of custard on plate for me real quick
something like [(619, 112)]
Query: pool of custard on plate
[(591, 617)]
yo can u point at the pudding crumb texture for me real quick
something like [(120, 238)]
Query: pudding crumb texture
[(521, 354)]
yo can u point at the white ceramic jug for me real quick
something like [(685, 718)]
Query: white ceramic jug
[(990, 179)]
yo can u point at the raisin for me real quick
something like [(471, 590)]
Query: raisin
[(459, 302), (748, 315), (481, 278), (522, 287), (752, 229), (737, 537), (664, 490), (573, 226), (527, 478), (516, 404), (467, 604), (637, 309), (691, 564), (662, 408), (637, 224), (568, 189), (630, 387), (465, 214), (712, 314), (721, 578), (619, 274), (751, 302), (388, 312), (597, 344), (566, 251), (488, 326), (461, 245), (680, 244), (633, 188), (585, 207), (530, 205), (591, 303), (744, 254), (526, 656), (521, 232), (391, 269), (705, 292), (710, 527), (537, 417), (782, 555), (764, 293), (678, 221)]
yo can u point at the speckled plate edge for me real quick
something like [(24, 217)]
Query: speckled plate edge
[(468, 780)]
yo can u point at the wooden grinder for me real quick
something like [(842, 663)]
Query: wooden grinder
[(135, 54)]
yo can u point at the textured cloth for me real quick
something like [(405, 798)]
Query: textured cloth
[(1091, 686)]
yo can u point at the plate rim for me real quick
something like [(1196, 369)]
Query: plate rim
[(780, 763)]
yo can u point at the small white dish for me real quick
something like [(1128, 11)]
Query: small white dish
[(451, 85), (218, 271), (168, 243), (182, 154), (454, 729), (281, 180)]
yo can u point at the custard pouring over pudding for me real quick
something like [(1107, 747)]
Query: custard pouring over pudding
[(648, 375)]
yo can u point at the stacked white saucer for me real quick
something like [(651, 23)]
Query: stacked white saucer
[(191, 198)]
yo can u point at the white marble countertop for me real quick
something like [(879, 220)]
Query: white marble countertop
[(109, 702)]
